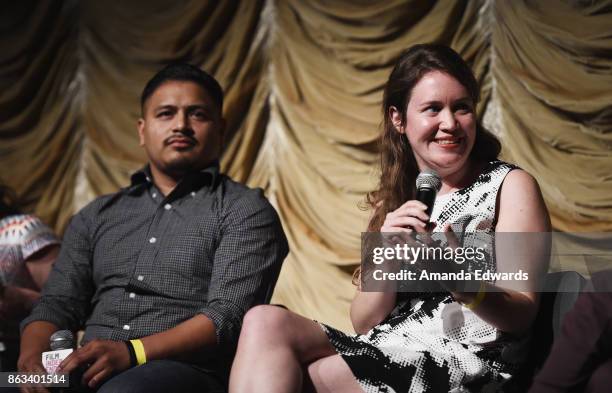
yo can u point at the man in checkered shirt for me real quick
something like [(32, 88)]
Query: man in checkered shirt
[(161, 273)]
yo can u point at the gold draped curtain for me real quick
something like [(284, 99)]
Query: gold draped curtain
[(303, 83)]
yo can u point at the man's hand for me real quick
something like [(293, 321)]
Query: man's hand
[(34, 341), (31, 363), (104, 357)]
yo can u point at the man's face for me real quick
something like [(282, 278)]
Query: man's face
[(182, 128)]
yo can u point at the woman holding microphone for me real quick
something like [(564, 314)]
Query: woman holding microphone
[(415, 342)]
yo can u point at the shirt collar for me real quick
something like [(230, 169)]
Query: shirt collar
[(193, 180)]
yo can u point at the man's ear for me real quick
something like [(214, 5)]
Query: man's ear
[(140, 126), (396, 119)]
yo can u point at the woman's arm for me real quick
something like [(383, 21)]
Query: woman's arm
[(39, 265), (368, 309), (521, 209), (16, 302)]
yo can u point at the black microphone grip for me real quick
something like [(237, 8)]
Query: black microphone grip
[(428, 197)]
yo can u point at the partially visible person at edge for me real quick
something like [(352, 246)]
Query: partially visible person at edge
[(28, 249), (581, 356), (161, 273), (415, 342)]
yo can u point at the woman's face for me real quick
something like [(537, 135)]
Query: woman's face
[(440, 123)]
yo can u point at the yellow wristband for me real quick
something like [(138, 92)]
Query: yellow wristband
[(479, 296), (141, 356)]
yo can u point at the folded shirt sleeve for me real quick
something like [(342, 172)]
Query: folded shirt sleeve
[(247, 262)]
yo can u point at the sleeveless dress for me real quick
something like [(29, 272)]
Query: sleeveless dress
[(429, 342)]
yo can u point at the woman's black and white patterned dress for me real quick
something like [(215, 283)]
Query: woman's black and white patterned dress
[(430, 343)]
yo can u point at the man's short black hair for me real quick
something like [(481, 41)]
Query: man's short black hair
[(184, 72)]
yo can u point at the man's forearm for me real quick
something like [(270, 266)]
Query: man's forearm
[(187, 338), (35, 338)]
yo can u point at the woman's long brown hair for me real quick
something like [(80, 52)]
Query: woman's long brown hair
[(398, 165)]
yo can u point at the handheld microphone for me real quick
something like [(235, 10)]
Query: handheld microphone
[(62, 343), (428, 183)]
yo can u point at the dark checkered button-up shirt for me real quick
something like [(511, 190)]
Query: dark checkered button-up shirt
[(135, 263)]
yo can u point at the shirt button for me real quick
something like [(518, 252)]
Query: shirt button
[(192, 193), (140, 278), (154, 195), (167, 206), (152, 240), (126, 327), (132, 295)]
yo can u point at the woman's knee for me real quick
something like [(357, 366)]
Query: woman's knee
[(265, 320)]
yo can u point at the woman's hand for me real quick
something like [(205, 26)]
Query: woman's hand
[(410, 217)]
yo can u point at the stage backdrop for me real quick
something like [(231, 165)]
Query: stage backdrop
[(303, 81)]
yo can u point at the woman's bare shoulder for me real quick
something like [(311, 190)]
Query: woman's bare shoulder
[(521, 205)]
